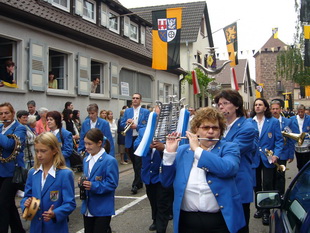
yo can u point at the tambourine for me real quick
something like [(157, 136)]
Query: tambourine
[(14, 153), (31, 211)]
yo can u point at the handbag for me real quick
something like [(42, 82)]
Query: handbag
[(76, 159), (20, 177)]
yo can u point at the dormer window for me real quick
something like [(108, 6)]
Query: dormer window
[(113, 22), (134, 32), (62, 4), (89, 10)]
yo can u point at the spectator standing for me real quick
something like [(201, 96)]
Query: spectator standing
[(103, 114), (69, 105), (76, 119), (41, 125), (69, 125), (31, 105), (31, 135), (112, 122)]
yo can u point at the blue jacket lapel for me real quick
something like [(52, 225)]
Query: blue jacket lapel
[(265, 127), (188, 159), (96, 166), (49, 181), (37, 181)]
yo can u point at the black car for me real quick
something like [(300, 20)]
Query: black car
[(291, 213)]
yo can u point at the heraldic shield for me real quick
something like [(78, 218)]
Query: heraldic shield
[(167, 29)]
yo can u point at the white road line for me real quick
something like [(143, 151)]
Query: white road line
[(124, 208)]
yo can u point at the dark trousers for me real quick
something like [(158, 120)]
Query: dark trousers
[(246, 211), (201, 222), (302, 159), (8, 210), (264, 179), (136, 164), (161, 200), (97, 224), (280, 178)]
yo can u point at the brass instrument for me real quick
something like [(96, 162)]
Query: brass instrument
[(127, 127), (14, 153), (297, 137), (31, 211), (280, 168)]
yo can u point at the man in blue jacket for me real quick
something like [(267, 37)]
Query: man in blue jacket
[(95, 122), (135, 118), (287, 154), (301, 124), (270, 138)]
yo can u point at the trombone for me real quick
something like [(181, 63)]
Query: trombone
[(297, 137), (269, 153)]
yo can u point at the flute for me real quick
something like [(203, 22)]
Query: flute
[(5, 121), (207, 139)]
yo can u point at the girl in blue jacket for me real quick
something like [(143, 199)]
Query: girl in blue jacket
[(53, 183), (101, 170)]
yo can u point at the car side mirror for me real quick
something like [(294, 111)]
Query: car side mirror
[(267, 200)]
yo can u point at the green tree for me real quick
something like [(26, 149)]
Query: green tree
[(203, 81), (290, 63)]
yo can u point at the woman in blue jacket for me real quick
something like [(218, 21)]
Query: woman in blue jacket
[(101, 171), (64, 137), (206, 198), (53, 183)]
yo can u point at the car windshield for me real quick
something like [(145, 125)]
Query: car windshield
[(297, 201)]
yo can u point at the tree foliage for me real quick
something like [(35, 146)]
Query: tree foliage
[(203, 80), (290, 63)]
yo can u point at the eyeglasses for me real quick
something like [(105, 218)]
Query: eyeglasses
[(207, 128), (223, 104), (137, 98)]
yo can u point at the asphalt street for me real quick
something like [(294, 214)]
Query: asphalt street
[(133, 212)]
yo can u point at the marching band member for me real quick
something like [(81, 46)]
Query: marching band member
[(300, 124), (270, 138), (8, 211), (52, 183), (287, 154), (137, 118), (240, 131), (206, 197), (101, 170)]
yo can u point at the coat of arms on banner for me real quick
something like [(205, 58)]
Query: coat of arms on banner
[(54, 195), (167, 29)]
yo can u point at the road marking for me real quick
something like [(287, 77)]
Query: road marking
[(124, 208)]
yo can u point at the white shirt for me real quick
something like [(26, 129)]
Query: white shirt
[(259, 124), (198, 195), (228, 127), (6, 128), (55, 132), (93, 124), (135, 119), (300, 122), (280, 120), (51, 171)]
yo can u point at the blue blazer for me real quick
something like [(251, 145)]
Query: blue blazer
[(58, 191), (150, 164), (221, 166), (101, 124), (8, 144), (66, 144), (104, 178), (142, 121), (243, 134), (305, 126), (288, 149), (271, 139)]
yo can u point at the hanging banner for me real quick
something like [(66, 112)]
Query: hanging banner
[(232, 43)]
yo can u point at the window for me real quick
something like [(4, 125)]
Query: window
[(113, 22), (62, 4), (137, 82), (89, 10), (58, 65), (134, 32), (97, 72), (167, 88), (7, 52)]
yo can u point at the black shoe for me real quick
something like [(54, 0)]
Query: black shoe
[(258, 214), (152, 227), (265, 219), (134, 190), (140, 186)]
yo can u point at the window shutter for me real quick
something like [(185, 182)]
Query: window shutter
[(143, 35), (79, 7), (104, 15), (114, 75), (37, 75), (83, 74), (126, 26), (160, 92)]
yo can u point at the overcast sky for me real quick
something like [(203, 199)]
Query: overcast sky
[(255, 21)]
